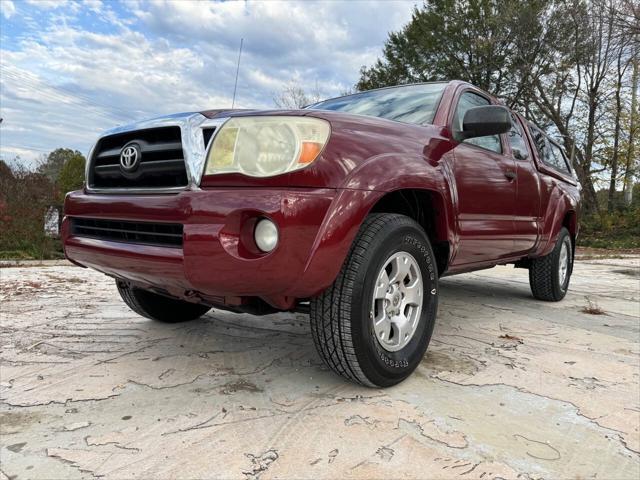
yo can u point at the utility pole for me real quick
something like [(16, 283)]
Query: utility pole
[(235, 86)]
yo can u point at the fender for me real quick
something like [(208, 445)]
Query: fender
[(357, 196), (560, 203)]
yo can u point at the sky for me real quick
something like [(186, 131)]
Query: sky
[(72, 69)]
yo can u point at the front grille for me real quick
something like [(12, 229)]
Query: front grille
[(147, 233), (161, 163)]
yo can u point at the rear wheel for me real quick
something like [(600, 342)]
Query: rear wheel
[(158, 307), (549, 275), (373, 325)]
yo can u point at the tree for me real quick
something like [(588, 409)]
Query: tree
[(489, 43), (628, 18), (634, 120), (622, 63), (24, 197), (553, 60), (570, 91), (5, 171), (71, 176), (293, 97), (53, 163)]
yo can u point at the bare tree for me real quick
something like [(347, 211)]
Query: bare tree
[(622, 63), (632, 161), (580, 86), (293, 96), (627, 18)]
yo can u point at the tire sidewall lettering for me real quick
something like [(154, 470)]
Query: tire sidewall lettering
[(407, 358)]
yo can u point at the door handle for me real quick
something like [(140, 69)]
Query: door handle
[(510, 174)]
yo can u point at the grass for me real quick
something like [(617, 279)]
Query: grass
[(609, 241), (617, 230), (50, 249), (592, 308)]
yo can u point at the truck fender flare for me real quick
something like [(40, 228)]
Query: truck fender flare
[(355, 199), (559, 205)]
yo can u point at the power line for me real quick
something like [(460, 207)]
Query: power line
[(60, 93), (34, 81), (14, 148), (96, 109)]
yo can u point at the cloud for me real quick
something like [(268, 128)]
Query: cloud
[(74, 69), (317, 40), (51, 4), (8, 8)]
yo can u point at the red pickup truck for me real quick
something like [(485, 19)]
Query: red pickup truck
[(350, 209)]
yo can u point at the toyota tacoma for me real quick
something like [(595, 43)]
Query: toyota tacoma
[(351, 210)]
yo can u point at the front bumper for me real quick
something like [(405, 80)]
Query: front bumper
[(212, 265)]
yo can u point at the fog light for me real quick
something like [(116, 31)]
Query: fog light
[(266, 235)]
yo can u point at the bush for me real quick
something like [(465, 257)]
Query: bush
[(24, 199), (25, 196), (619, 229)]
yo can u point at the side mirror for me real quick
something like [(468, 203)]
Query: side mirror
[(485, 121)]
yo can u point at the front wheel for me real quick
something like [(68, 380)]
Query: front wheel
[(373, 325), (158, 307), (549, 275)]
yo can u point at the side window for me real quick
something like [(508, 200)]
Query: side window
[(559, 161), (541, 143), (517, 141), (470, 100), (549, 153), (567, 162)]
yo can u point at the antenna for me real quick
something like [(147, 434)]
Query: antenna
[(235, 86)]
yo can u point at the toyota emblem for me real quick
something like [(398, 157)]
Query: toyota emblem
[(130, 157)]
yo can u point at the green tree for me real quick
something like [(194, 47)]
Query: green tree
[(71, 175), (489, 43), (553, 60), (54, 161)]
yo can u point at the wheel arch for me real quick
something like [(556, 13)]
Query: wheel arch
[(427, 208), (371, 188), (570, 222), (563, 215)]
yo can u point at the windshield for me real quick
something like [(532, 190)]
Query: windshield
[(409, 103)]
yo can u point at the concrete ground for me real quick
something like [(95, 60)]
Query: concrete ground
[(510, 387)]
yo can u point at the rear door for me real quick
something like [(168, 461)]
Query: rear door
[(486, 189)]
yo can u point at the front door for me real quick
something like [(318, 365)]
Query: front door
[(486, 190)]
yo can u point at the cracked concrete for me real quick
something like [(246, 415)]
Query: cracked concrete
[(510, 387)]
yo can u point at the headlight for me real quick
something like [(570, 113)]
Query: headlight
[(266, 146)]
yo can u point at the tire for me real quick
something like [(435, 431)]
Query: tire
[(546, 277), (342, 317), (158, 307)]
